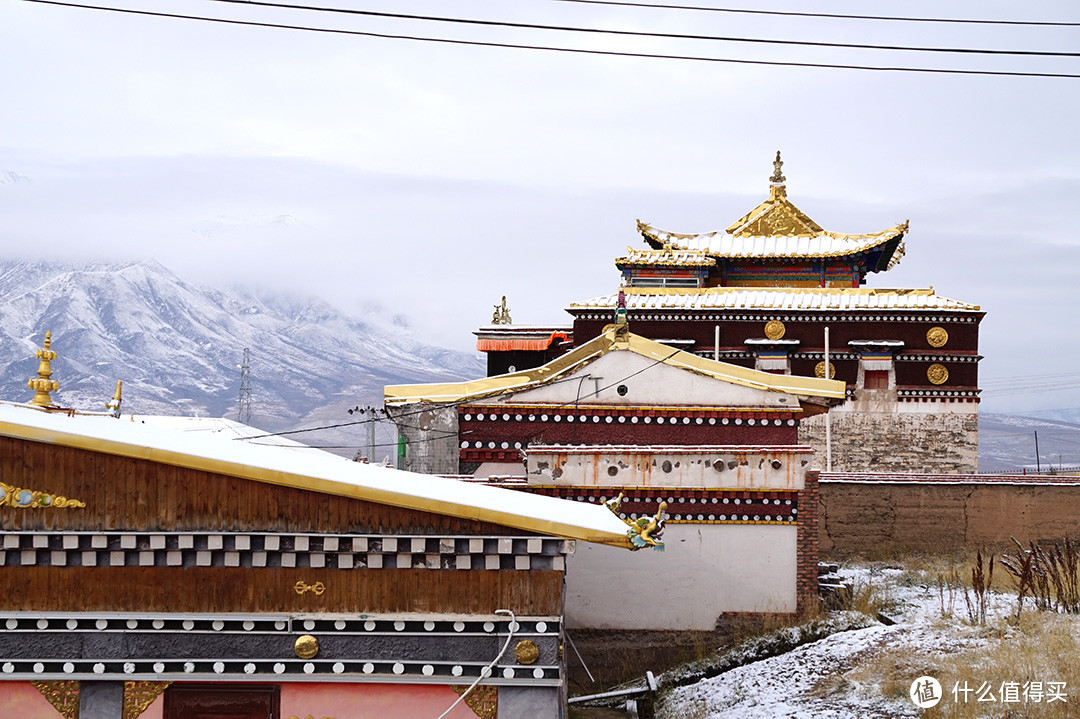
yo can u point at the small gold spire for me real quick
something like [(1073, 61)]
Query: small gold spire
[(113, 405), (776, 182), (41, 384), (777, 178)]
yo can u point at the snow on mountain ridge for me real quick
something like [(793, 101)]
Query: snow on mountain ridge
[(178, 347)]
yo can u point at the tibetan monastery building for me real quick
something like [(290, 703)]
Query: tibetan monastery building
[(171, 567), (761, 293)]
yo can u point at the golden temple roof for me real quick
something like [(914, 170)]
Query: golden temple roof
[(775, 229)]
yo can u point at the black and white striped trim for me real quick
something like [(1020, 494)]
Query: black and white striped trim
[(217, 549)]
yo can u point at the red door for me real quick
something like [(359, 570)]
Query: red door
[(221, 701)]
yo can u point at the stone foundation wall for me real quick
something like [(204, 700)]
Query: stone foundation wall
[(935, 439)]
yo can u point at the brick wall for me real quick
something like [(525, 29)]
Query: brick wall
[(807, 542)]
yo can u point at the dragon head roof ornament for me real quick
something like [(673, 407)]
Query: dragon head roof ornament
[(643, 531)]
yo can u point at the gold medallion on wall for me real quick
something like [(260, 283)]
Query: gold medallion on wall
[(937, 374), (774, 329), (819, 370), (526, 652), (306, 647), (937, 336)]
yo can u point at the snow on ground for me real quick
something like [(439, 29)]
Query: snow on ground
[(812, 680)]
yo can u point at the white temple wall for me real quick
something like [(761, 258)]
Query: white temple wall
[(705, 570)]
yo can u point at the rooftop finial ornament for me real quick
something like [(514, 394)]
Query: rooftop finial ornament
[(777, 176), (113, 405), (777, 189), (42, 384), (501, 315)]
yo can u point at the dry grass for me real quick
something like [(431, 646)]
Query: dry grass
[(1039, 647), (1042, 648)]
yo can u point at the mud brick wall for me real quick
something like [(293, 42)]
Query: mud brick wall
[(867, 518), (899, 441)]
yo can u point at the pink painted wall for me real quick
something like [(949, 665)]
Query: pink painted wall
[(369, 701), (22, 700), (155, 710)]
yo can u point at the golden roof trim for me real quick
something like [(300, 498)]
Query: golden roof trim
[(611, 340), (310, 483)]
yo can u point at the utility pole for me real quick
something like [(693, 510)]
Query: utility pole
[(243, 410), (828, 410), (371, 435), (1038, 466)]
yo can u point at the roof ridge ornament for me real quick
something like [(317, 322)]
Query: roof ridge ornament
[(501, 315), (777, 178), (42, 384), (777, 188), (643, 531), (113, 405)]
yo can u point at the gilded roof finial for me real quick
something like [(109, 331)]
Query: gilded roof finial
[(41, 384), (501, 315), (776, 182), (777, 178), (113, 405)]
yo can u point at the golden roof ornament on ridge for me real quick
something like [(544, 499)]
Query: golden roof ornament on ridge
[(43, 384)]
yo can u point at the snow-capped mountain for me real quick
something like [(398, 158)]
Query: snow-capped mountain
[(178, 347)]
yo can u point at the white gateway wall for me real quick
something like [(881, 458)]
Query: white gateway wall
[(705, 570)]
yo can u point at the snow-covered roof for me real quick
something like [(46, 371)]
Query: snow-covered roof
[(225, 447), (667, 257), (820, 244), (787, 299)]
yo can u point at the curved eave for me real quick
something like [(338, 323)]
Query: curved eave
[(885, 241), (386, 486)]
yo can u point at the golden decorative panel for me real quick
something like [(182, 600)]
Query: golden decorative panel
[(306, 647), (774, 329), (819, 370), (12, 496), (317, 588), (140, 695), (483, 700), (937, 336), (63, 695), (937, 374), (526, 652)]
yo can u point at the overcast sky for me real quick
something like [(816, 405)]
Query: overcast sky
[(433, 178)]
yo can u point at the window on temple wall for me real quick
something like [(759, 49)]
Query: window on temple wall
[(876, 379), (665, 282), (218, 701)]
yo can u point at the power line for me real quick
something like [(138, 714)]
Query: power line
[(549, 48), (835, 16), (638, 33)]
